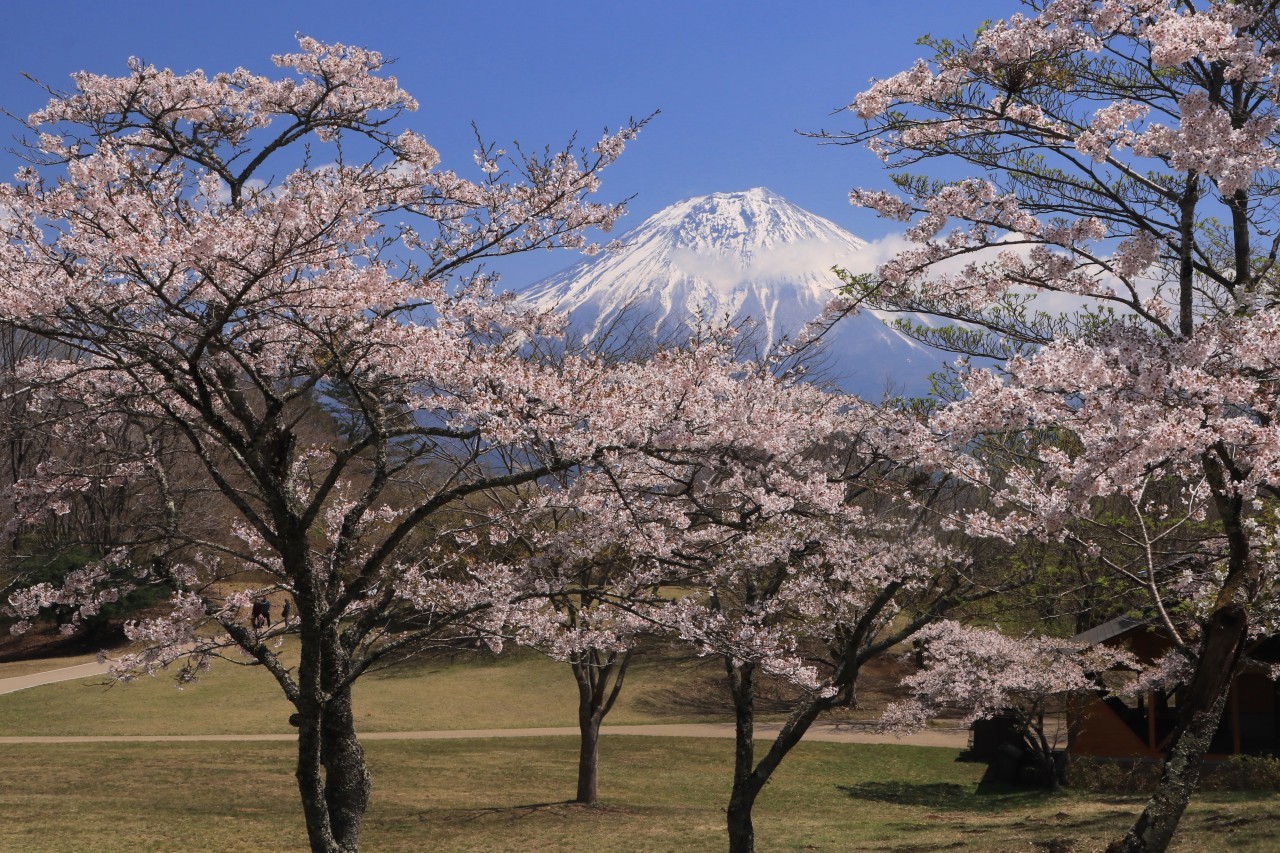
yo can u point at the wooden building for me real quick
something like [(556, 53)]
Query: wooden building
[(1106, 727)]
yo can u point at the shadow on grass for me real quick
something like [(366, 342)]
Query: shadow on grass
[(560, 808), (947, 796), (433, 661), (1231, 821), (929, 848)]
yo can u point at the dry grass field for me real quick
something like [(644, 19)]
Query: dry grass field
[(496, 795), (469, 692), (489, 794)]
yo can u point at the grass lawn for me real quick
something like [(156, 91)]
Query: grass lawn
[(514, 691), (659, 794), (495, 795)]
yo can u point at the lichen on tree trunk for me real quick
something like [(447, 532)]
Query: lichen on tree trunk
[(1153, 831)]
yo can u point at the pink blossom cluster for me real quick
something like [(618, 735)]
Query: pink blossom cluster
[(886, 204), (915, 85), (83, 590), (983, 671), (1136, 403), (942, 112), (1178, 35), (1110, 129), (1208, 142), (1021, 40), (741, 483), (337, 85)]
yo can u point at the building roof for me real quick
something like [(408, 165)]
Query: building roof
[(1108, 630)]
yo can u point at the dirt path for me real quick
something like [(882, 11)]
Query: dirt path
[(823, 732)]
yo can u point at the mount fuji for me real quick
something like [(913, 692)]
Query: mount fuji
[(743, 257)]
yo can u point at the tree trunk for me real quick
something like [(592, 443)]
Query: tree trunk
[(592, 670), (311, 784), (749, 778), (1207, 696), (742, 834), (588, 757), (746, 782), (347, 783), (333, 779)]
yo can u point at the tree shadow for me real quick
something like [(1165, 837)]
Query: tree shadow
[(929, 848), (559, 808), (701, 692), (1231, 821), (975, 812), (946, 796)]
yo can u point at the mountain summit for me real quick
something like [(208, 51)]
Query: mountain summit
[(742, 256)]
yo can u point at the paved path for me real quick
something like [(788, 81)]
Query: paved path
[(52, 676), (951, 738), (823, 732)]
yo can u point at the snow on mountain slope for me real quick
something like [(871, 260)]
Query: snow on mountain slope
[(733, 256)]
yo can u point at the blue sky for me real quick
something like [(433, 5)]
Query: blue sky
[(733, 80)]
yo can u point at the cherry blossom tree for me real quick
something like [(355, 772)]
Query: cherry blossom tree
[(581, 564), (598, 640), (234, 257), (811, 617), (773, 514), (1127, 163)]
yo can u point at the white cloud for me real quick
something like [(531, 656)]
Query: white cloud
[(884, 249), (251, 185)]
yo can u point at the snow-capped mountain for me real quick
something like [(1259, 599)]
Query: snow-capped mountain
[(736, 256)]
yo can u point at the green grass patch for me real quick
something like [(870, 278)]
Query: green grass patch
[(659, 794), (519, 690), (509, 795)]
